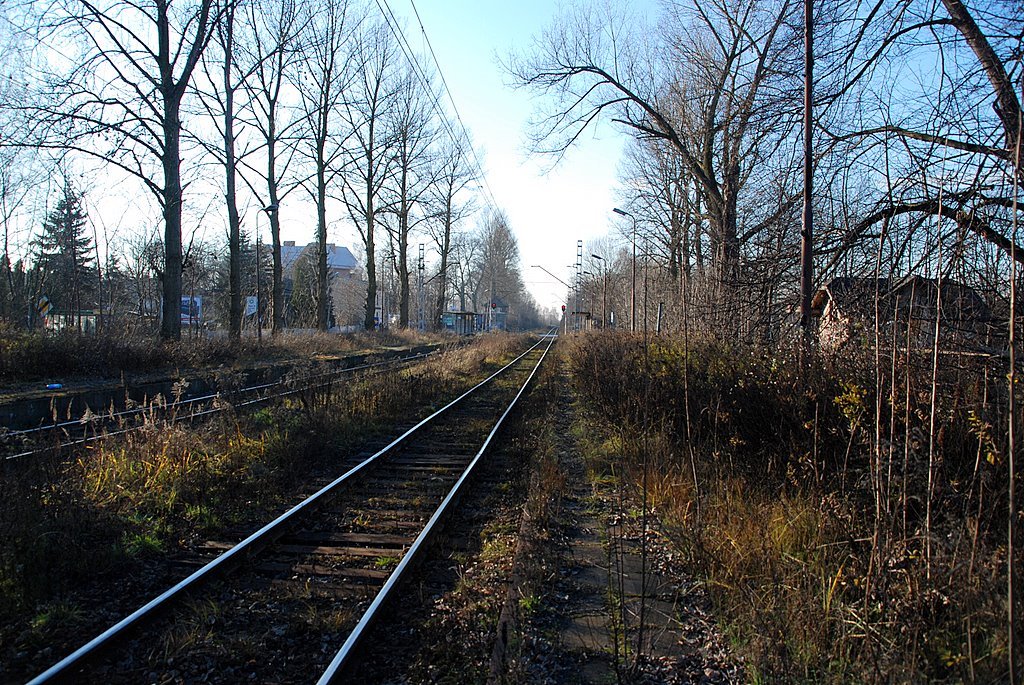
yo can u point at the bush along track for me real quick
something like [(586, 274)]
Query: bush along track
[(86, 542), (598, 593), (848, 518)]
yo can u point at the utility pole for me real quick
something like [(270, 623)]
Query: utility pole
[(420, 298), (632, 288), (579, 278), (807, 230), (259, 298)]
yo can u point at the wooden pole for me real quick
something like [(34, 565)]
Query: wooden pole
[(807, 230)]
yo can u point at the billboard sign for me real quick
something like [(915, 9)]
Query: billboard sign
[(191, 310)]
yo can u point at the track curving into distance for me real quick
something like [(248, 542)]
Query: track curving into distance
[(340, 552)]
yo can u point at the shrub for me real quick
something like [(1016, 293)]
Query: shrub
[(800, 493)]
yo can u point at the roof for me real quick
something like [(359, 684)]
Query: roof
[(338, 257), (857, 296), (955, 296), (849, 293)]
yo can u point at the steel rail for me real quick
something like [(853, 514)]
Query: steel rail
[(341, 659), (268, 531), (207, 412), (211, 396)]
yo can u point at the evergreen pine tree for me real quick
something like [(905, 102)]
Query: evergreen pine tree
[(221, 280), (65, 256)]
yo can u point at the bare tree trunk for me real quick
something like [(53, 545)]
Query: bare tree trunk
[(227, 36), (402, 244), (1011, 502), (726, 215), (807, 228), (442, 276), (403, 271), (371, 264), (321, 241), (170, 323), (277, 295)]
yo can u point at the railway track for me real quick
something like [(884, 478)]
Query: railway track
[(92, 426), (295, 598)]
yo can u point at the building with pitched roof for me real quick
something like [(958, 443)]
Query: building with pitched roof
[(845, 309)]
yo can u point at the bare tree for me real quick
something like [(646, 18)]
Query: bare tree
[(122, 102), (412, 133), (372, 93), (498, 270), (217, 94), (322, 86), (971, 135), (658, 191), (19, 172), (142, 260), (18, 179), (270, 53), (454, 177), (465, 247), (707, 90)]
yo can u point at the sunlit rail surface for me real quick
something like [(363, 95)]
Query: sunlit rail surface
[(385, 506)]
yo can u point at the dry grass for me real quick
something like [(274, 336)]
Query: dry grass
[(816, 580), (63, 524), (29, 356)]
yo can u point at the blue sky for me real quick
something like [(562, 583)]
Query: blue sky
[(548, 212)]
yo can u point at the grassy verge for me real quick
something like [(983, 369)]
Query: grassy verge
[(26, 356), (65, 527), (844, 538)]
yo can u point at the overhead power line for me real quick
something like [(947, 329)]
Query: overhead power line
[(451, 99), (460, 141)]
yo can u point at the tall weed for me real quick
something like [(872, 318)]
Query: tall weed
[(799, 495)]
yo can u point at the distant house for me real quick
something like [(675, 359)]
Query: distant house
[(340, 261), (845, 309), (344, 275)]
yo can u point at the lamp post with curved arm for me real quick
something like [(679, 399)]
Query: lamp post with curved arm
[(632, 288)]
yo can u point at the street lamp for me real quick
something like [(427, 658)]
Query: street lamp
[(604, 296), (259, 294), (632, 288)]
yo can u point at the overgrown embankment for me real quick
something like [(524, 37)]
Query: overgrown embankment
[(69, 528), (28, 356), (849, 517)]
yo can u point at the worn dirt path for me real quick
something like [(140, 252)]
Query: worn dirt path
[(612, 604)]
